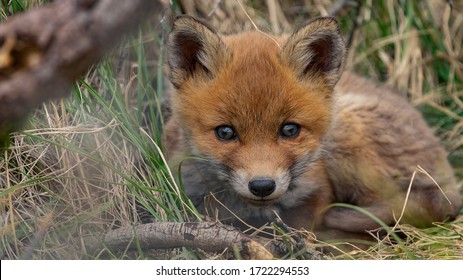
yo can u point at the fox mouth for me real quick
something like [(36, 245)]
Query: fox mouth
[(261, 202)]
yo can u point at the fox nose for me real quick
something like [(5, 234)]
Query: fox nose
[(262, 187)]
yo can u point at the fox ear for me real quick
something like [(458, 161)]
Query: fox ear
[(316, 51), (194, 50)]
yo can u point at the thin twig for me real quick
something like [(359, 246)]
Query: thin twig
[(300, 245), (255, 26)]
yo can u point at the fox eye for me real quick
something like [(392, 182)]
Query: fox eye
[(225, 133), (290, 130)]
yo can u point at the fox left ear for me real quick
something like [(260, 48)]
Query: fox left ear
[(316, 51)]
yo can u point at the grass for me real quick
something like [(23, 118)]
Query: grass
[(91, 162)]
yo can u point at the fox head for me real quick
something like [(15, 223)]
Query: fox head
[(256, 106)]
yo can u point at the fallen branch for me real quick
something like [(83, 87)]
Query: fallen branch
[(211, 237), (44, 50)]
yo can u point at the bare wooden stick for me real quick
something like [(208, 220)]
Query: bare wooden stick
[(211, 237), (44, 50)]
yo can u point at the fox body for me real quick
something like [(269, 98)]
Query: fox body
[(265, 126)]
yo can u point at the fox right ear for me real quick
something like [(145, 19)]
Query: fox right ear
[(194, 50)]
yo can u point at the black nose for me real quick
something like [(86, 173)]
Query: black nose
[(262, 187)]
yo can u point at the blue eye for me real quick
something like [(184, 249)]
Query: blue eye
[(225, 133), (290, 130)]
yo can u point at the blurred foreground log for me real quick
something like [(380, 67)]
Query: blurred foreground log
[(207, 236), (44, 50)]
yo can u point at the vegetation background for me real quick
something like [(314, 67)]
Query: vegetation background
[(92, 162)]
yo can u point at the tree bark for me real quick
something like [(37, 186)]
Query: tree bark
[(44, 50)]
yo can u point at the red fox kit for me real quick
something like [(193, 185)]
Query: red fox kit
[(267, 125)]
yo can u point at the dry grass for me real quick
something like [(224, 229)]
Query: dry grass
[(60, 191), (83, 165)]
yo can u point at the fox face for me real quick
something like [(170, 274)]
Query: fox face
[(258, 112)]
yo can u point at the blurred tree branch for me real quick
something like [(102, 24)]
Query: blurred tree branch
[(44, 50), (207, 236)]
